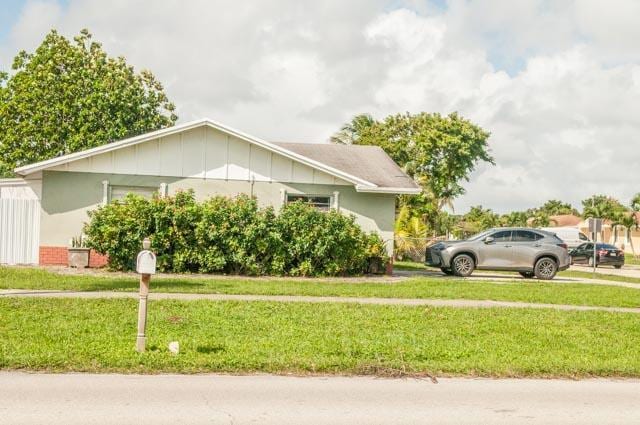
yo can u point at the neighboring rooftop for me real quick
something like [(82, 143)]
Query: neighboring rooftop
[(370, 163), (565, 220)]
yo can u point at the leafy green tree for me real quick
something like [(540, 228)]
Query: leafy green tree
[(602, 206), (635, 202), (69, 96), (477, 220), (556, 207), (439, 152), (514, 219)]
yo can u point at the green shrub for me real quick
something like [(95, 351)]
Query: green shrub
[(232, 236)]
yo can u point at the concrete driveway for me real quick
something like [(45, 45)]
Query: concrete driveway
[(262, 399)]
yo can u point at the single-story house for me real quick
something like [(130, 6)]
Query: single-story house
[(47, 206)]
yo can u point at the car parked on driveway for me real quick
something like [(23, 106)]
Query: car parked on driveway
[(531, 252), (606, 254)]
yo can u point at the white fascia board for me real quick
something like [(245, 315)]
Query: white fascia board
[(396, 190), (39, 166), (12, 182)]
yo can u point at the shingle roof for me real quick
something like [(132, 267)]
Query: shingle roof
[(369, 163)]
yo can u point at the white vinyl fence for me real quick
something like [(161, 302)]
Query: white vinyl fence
[(19, 231)]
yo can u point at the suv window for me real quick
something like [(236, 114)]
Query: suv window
[(526, 236), (588, 246), (502, 236)]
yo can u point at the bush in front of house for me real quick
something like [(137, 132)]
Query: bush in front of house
[(233, 235)]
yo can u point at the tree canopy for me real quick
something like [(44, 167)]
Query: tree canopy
[(602, 206), (556, 207), (635, 202), (69, 96), (439, 152)]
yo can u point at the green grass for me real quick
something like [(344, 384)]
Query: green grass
[(589, 275), (554, 292), (410, 266), (243, 337), (630, 259)]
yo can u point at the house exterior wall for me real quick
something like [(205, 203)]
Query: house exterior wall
[(67, 197)]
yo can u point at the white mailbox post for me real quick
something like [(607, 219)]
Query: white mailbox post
[(145, 266)]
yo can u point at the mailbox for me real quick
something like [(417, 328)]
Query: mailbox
[(146, 262)]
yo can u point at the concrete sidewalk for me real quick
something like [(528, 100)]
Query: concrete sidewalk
[(87, 399), (456, 303)]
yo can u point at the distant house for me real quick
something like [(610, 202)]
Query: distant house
[(48, 205), (617, 235)]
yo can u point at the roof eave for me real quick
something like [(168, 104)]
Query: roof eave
[(394, 190), (39, 166)]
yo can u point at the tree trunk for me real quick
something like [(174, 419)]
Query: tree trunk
[(630, 238)]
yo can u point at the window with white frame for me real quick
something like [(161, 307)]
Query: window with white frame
[(321, 202), (118, 193)]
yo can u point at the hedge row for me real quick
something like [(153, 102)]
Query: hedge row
[(232, 235)]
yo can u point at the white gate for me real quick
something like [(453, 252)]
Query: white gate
[(19, 231)]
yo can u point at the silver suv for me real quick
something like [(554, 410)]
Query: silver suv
[(531, 252)]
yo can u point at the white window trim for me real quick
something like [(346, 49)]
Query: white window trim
[(330, 205)]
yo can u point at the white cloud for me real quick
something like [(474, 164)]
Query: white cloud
[(557, 83)]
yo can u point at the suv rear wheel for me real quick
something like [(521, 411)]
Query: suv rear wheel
[(463, 265), (546, 268)]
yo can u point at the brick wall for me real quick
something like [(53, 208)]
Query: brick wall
[(53, 256), (58, 256), (97, 260)]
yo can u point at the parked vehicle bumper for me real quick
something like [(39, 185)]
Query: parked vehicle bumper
[(437, 258)]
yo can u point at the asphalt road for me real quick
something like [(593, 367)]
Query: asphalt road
[(213, 399)]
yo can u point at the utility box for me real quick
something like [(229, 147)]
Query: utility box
[(146, 262)]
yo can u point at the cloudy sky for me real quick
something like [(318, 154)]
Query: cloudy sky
[(557, 83)]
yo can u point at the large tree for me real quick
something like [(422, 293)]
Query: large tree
[(439, 152), (69, 96), (602, 206), (556, 207)]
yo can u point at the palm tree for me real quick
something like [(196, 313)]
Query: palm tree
[(350, 132), (411, 234), (630, 222)]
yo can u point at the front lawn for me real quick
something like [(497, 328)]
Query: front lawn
[(245, 337), (630, 259), (554, 292)]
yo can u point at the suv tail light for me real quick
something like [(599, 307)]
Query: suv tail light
[(563, 245)]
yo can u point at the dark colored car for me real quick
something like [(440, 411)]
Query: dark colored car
[(606, 255)]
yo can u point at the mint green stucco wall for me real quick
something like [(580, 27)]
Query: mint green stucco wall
[(68, 196)]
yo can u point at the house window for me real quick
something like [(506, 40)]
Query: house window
[(321, 202), (118, 193)]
